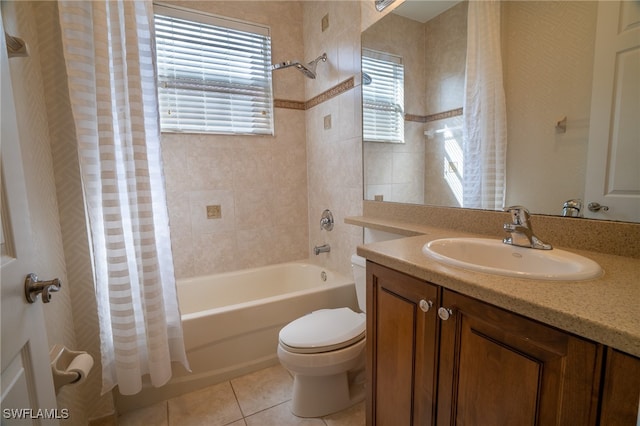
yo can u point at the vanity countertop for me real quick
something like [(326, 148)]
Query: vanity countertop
[(605, 310)]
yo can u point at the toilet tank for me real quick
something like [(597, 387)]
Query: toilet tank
[(358, 266)]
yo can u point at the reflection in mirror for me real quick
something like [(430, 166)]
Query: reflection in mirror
[(547, 56)]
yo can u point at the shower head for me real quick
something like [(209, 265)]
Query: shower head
[(309, 69)]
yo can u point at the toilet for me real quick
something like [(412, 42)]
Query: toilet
[(324, 351)]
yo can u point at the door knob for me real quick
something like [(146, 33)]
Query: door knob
[(33, 287)]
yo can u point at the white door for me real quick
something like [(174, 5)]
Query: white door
[(613, 164), (27, 385)]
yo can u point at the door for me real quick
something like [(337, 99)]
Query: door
[(613, 160), (498, 368), (27, 385), (620, 390), (402, 336)]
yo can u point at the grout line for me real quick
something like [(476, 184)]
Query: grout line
[(235, 395)]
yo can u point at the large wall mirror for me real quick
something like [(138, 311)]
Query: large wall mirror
[(548, 52)]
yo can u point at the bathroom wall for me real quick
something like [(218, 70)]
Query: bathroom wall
[(30, 86), (333, 130), (548, 55), (260, 182)]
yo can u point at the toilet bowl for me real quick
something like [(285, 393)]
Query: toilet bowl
[(324, 351)]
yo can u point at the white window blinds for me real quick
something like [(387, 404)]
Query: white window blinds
[(383, 97), (214, 74)]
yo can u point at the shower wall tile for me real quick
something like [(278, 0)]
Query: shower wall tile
[(260, 182)]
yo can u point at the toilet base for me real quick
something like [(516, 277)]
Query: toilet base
[(317, 396)]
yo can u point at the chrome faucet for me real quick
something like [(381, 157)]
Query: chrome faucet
[(321, 249), (572, 208), (326, 220), (521, 231)]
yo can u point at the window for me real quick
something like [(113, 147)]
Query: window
[(383, 97), (214, 74)]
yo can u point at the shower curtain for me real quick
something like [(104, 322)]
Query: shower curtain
[(108, 51), (485, 119)]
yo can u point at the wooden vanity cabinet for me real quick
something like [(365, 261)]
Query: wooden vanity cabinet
[(499, 368), (481, 366), (401, 348), (620, 389)]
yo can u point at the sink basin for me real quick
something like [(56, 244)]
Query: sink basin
[(495, 257)]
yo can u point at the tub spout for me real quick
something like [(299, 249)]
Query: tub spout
[(321, 249)]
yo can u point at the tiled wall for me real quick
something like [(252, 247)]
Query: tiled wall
[(272, 190), (260, 182), (334, 155)]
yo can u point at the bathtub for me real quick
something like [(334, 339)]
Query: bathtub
[(231, 321)]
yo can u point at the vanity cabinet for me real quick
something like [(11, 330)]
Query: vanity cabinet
[(402, 340), (497, 367), (458, 360), (620, 390)]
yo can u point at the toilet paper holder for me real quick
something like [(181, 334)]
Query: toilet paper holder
[(69, 367)]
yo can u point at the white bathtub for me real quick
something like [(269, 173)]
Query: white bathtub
[(231, 321)]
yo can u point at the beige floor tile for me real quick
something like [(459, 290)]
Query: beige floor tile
[(354, 416), (212, 406), (153, 415), (280, 415), (263, 389)]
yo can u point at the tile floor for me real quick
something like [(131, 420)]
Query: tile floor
[(257, 399)]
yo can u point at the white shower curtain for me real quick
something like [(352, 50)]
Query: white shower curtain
[(108, 50), (485, 118)]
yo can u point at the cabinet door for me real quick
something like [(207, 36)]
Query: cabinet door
[(621, 390), (498, 368), (401, 348)]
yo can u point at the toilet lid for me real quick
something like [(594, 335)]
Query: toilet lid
[(323, 330)]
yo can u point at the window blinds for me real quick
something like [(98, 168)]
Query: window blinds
[(383, 98), (214, 74)]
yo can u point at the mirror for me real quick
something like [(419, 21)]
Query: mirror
[(547, 56)]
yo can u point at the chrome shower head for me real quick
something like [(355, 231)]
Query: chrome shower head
[(309, 69)]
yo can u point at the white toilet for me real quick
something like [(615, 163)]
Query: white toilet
[(324, 351)]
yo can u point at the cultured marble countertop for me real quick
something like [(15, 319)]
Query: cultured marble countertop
[(605, 309)]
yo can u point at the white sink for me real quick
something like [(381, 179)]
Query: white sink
[(495, 257)]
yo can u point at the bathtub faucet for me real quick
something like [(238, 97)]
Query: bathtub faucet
[(321, 249)]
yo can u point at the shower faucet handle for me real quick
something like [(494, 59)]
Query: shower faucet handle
[(326, 220)]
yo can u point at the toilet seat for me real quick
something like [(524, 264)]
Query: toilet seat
[(324, 330)]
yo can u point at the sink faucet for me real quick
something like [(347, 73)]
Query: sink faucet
[(521, 231), (321, 249)]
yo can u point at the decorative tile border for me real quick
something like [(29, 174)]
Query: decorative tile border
[(433, 117), (348, 84), (415, 118), (287, 104), (336, 90)]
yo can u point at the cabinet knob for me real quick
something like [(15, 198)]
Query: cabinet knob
[(444, 313), (425, 305)]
